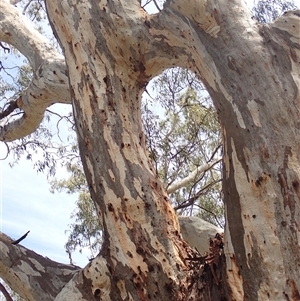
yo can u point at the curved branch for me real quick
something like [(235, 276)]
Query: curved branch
[(33, 276), (18, 31), (50, 80), (197, 232), (191, 177), (51, 87), (12, 105), (5, 293)]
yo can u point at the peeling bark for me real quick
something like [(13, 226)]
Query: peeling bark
[(251, 71), (70, 282)]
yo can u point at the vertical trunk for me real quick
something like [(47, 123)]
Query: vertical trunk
[(143, 248), (257, 98)]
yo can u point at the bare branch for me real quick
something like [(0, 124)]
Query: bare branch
[(197, 232), (7, 153), (4, 48), (12, 105), (26, 6), (15, 242), (18, 31), (50, 81), (191, 177)]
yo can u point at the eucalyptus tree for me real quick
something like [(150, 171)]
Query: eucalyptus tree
[(184, 144), (111, 50)]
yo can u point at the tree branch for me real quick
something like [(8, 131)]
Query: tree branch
[(197, 232), (15, 242), (191, 177), (5, 293), (33, 276), (50, 81), (12, 105), (18, 31)]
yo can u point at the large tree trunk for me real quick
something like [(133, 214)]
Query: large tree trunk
[(112, 50)]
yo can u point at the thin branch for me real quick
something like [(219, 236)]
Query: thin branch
[(15, 242), (212, 213), (191, 177), (156, 5), (5, 48), (26, 6), (8, 151), (5, 293), (190, 201)]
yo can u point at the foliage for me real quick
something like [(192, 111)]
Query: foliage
[(86, 229), (266, 11), (45, 147), (182, 136)]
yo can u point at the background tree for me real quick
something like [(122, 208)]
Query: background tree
[(266, 11)]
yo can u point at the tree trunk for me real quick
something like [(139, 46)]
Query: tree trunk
[(112, 50), (109, 65)]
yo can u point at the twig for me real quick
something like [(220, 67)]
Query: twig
[(8, 150), (15, 242), (4, 48)]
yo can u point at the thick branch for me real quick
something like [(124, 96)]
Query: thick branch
[(50, 81), (197, 232), (18, 31), (49, 85), (32, 276), (192, 176)]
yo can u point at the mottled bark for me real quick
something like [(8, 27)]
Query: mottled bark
[(37, 278), (251, 71), (49, 84), (32, 276)]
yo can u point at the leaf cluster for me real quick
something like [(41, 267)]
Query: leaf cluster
[(265, 11)]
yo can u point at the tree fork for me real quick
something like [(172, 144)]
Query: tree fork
[(112, 51)]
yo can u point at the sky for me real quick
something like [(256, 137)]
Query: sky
[(27, 204)]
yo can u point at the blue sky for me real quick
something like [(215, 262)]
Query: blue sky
[(27, 204)]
